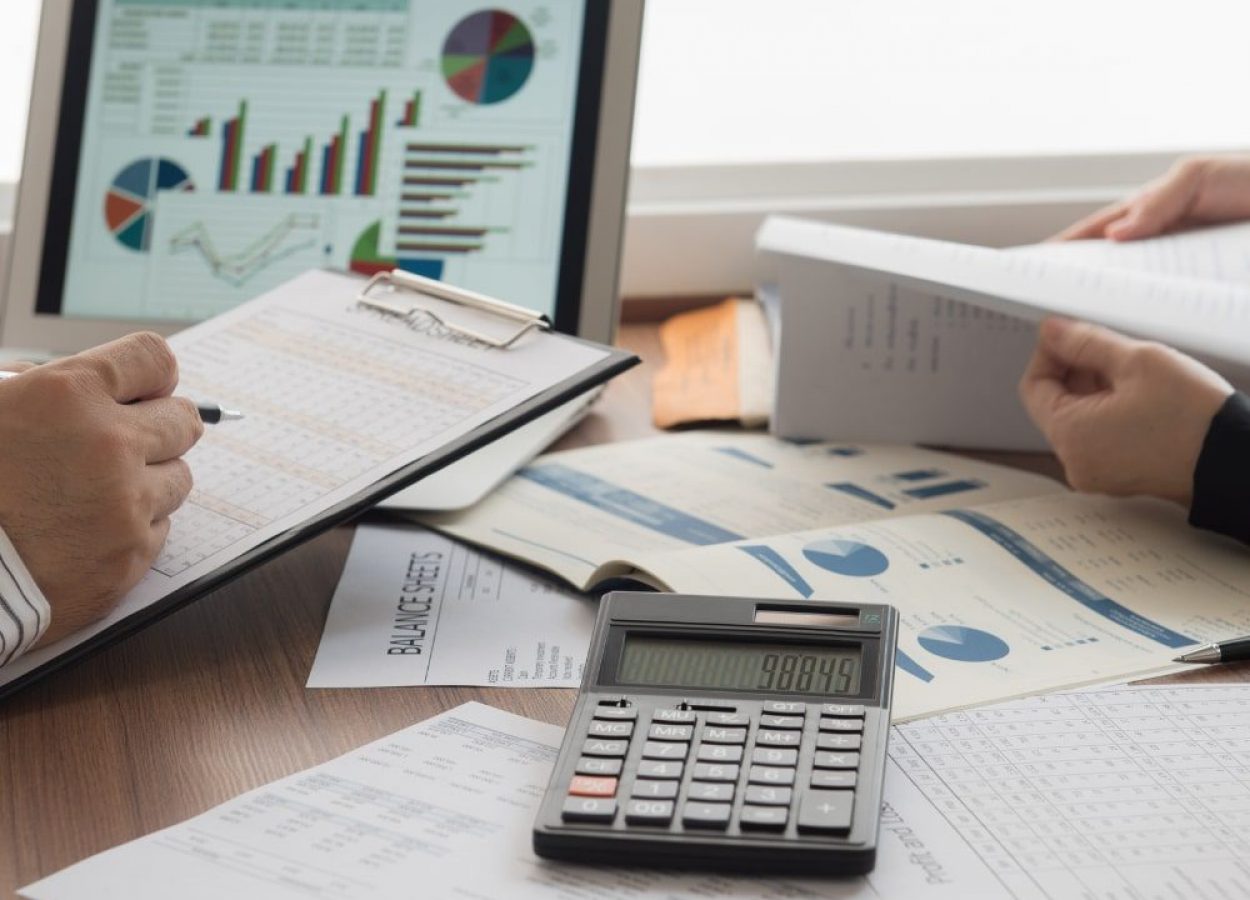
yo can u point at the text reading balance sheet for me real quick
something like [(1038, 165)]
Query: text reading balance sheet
[(414, 607), (444, 810), (343, 405)]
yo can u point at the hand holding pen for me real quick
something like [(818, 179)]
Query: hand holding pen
[(210, 413)]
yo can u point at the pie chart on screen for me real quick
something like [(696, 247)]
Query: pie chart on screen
[(488, 56), (963, 644), (843, 557), (128, 201)]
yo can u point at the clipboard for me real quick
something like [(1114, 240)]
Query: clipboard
[(436, 311)]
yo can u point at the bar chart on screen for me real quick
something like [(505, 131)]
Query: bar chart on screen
[(356, 134)]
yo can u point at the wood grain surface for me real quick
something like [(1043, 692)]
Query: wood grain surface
[(210, 702)]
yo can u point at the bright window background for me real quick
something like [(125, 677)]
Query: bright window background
[(740, 81), (17, 61)]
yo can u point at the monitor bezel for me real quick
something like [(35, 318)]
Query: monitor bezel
[(587, 298)]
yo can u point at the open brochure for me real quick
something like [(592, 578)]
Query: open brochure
[(885, 337), (1006, 583)]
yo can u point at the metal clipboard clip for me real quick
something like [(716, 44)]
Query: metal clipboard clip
[(380, 292)]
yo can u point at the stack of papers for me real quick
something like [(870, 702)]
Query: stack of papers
[(1121, 793)]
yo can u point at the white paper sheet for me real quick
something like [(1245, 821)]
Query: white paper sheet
[(414, 608), (445, 809), (1122, 794), (1007, 599), (572, 512), (335, 398), (1218, 253), (887, 337)]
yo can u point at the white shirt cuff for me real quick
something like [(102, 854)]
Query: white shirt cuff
[(24, 611)]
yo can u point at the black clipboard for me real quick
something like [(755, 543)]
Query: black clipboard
[(372, 296)]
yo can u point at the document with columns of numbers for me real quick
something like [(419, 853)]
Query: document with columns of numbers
[(1124, 793), (343, 405)]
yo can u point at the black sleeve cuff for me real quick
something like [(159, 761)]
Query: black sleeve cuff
[(1222, 476)]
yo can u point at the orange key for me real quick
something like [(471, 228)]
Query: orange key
[(591, 786)]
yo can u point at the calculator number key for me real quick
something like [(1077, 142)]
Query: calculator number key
[(649, 789), (710, 791), (664, 750), (589, 809), (649, 812), (714, 772), (722, 753), (760, 795), (655, 768), (771, 775)]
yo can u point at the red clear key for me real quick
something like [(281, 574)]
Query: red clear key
[(590, 786)]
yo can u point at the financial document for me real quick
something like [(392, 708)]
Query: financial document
[(575, 511), (1127, 793), (445, 809), (1005, 599), (336, 398), (1132, 793), (414, 607)]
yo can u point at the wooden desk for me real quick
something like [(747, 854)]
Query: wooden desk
[(210, 702)]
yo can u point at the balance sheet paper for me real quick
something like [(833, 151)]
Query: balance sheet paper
[(1121, 794), (414, 607)]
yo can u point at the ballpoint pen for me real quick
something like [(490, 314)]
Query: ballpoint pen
[(1234, 650), (210, 413)]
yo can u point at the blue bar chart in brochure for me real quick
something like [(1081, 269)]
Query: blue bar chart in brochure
[(229, 147)]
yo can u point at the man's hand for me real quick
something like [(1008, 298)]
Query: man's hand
[(1124, 417), (90, 471), (1200, 190)]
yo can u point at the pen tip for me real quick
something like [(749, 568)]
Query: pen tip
[(230, 415)]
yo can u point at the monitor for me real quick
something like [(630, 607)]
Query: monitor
[(183, 156)]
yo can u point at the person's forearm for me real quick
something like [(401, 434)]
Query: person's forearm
[(24, 613), (1222, 477)]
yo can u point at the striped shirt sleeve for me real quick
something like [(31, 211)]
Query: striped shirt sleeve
[(24, 612)]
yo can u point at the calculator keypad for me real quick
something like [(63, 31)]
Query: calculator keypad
[(779, 766)]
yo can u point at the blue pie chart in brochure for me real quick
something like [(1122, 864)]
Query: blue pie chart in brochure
[(963, 644), (843, 557)]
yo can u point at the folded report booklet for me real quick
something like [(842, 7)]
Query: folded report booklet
[(885, 337), (1006, 583)]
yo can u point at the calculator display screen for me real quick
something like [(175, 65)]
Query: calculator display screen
[(648, 661)]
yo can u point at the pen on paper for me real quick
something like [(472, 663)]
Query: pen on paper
[(210, 413)]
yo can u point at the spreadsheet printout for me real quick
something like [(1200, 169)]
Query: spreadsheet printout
[(445, 809), (335, 398), (1131, 793)]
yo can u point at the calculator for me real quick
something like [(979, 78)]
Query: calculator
[(726, 733)]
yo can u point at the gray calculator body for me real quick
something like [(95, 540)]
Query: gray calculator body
[(726, 733)]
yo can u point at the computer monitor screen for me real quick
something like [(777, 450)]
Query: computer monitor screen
[(207, 150)]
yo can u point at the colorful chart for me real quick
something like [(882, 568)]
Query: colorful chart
[(127, 205), (963, 644), (367, 258), (846, 558), (488, 56)]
